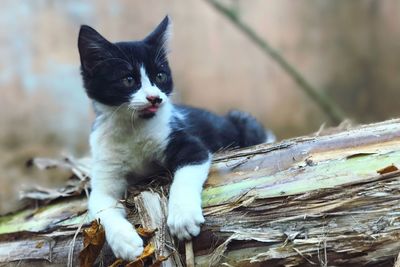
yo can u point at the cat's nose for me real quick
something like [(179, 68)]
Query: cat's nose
[(154, 99)]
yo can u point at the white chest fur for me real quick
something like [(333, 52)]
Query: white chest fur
[(121, 145)]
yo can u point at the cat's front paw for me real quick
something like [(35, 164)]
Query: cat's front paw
[(184, 217), (124, 241)]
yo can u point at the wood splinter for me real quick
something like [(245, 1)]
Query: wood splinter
[(189, 254)]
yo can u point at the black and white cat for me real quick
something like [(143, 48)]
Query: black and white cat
[(138, 131)]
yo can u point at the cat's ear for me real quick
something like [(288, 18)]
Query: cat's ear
[(93, 48), (161, 36)]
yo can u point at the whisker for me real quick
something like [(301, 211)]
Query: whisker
[(139, 103), (132, 119), (117, 109)]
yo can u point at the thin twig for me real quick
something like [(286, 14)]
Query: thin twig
[(189, 254), (70, 258), (333, 111)]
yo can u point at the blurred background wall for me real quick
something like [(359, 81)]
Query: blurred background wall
[(348, 49)]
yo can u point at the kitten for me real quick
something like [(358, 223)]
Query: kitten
[(138, 131)]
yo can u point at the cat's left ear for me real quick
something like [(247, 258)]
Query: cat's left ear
[(161, 35), (94, 48)]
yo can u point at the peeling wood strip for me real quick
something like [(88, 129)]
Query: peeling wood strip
[(152, 212)]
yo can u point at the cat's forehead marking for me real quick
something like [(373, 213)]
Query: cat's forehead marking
[(144, 77)]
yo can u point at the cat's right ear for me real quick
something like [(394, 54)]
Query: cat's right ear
[(160, 37), (93, 48)]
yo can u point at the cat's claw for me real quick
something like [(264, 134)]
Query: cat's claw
[(184, 218), (124, 241)]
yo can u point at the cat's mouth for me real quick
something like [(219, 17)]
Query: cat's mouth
[(149, 112)]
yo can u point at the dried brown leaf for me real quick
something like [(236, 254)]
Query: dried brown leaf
[(116, 263), (388, 169), (143, 232), (93, 241), (135, 263), (147, 252), (159, 261)]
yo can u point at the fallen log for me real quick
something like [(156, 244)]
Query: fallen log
[(322, 200)]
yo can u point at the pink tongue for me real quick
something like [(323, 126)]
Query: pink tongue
[(152, 109)]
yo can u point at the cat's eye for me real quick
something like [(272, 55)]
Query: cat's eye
[(161, 77), (128, 81)]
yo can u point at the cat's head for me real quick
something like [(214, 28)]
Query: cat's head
[(135, 74)]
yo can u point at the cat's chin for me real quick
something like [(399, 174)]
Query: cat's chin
[(147, 115)]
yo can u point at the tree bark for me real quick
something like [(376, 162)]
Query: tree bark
[(330, 199)]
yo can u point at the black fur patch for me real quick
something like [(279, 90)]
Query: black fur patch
[(202, 132)]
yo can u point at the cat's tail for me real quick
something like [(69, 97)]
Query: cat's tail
[(251, 132)]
